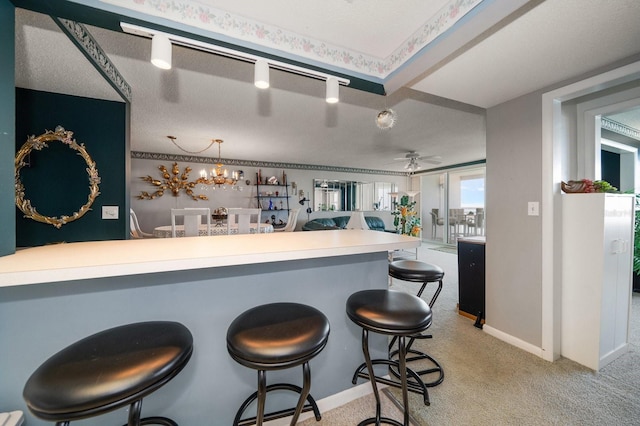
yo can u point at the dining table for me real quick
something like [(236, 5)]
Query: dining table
[(165, 231)]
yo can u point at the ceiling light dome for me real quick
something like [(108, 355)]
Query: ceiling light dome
[(386, 119)]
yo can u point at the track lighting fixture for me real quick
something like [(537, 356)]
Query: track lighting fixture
[(261, 74), (333, 95), (165, 41), (161, 51)]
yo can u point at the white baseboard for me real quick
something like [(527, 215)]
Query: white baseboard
[(329, 403), (613, 355), (525, 346)]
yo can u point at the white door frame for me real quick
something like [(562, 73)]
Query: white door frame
[(554, 170)]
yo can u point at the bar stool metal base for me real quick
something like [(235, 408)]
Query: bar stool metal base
[(300, 408), (404, 384), (416, 385), (423, 273), (436, 369), (135, 411)]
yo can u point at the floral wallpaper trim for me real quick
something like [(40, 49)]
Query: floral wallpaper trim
[(253, 163), (191, 13)]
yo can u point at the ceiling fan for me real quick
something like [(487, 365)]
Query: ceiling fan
[(413, 157)]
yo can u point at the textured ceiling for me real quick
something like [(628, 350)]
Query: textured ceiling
[(554, 41), (206, 96)]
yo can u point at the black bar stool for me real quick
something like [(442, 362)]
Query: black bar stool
[(418, 272), (274, 337), (109, 370), (424, 273), (397, 314)]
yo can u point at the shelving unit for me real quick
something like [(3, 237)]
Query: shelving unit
[(275, 208), (597, 257)]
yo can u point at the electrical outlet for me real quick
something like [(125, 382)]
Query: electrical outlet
[(109, 212), (533, 208)]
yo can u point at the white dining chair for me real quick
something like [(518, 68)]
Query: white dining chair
[(134, 227), (192, 219), (243, 219), (291, 222)]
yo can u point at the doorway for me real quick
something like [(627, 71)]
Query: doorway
[(580, 108), (453, 204)]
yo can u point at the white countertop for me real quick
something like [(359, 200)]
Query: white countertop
[(95, 259)]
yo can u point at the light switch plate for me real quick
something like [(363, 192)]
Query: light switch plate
[(533, 208), (109, 212)]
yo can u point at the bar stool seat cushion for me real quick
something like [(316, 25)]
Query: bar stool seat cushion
[(415, 270), (277, 335), (107, 370), (389, 312)]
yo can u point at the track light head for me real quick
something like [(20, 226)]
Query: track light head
[(161, 51), (333, 95), (261, 74)]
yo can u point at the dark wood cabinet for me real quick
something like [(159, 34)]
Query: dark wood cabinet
[(471, 277)]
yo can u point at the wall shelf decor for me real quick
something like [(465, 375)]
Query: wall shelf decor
[(38, 143), (273, 199)]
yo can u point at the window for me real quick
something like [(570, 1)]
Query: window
[(472, 192)]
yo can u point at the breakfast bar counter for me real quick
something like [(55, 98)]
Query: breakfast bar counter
[(52, 296)]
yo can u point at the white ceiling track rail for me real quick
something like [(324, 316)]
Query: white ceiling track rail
[(230, 53)]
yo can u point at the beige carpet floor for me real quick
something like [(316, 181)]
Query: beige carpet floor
[(489, 382)]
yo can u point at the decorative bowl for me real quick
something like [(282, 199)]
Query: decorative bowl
[(573, 186)]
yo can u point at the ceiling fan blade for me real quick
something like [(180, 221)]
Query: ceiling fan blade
[(412, 158), (430, 157), (411, 155)]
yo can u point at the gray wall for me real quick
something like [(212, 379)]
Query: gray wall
[(514, 243), (514, 177)]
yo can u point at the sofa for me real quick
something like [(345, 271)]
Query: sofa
[(340, 222)]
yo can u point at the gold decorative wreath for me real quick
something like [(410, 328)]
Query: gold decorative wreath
[(37, 143)]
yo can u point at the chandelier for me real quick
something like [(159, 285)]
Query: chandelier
[(219, 177)]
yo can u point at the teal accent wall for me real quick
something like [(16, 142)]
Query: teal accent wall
[(56, 181), (7, 129)]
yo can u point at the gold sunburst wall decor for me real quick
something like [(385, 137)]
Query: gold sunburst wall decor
[(174, 181)]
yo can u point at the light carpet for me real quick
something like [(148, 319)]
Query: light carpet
[(445, 249), (489, 382)]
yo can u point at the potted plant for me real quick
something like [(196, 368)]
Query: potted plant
[(406, 219)]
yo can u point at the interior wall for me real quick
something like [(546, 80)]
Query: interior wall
[(610, 167), (157, 212), (514, 239), (7, 128), (100, 126)]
